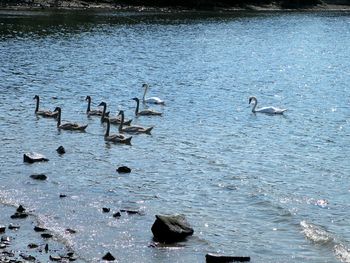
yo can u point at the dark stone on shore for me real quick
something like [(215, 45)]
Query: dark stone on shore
[(55, 258), (32, 245), (216, 258), (20, 209), (123, 169), (2, 229), (19, 215), (38, 176), (5, 239), (46, 235), (108, 257), (39, 229), (63, 195), (33, 157), (13, 227), (132, 212), (61, 150), (170, 229), (70, 231), (27, 257), (105, 210), (117, 214)]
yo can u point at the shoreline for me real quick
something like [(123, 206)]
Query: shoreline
[(85, 6)]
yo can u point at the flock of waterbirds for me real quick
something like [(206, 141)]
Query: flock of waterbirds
[(125, 125)]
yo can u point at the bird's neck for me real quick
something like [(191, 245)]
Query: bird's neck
[(59, 119), (108, 127), (103, 113), (121, 122), (255, 104), (37, 105), (137, 107), (144, 94), (89, 104)]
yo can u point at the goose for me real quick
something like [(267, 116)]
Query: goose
[(267, 110), (146, 112), (90, 112), (116, 138), (112, 120), (152, 100), (44, 113), (133, 128), (68, 125)]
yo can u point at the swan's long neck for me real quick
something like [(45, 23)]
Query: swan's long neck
[(59, 118), (37, 104), (108, 127), (144, 94), (137, 107), (103, 113), (89, 105), (121, 122), (255, 104)]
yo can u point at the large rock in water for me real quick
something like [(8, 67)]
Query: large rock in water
[(171, 228), (34, 157), (216, 258)]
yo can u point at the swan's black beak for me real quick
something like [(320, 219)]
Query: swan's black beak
[(101, 104), (250, 100)]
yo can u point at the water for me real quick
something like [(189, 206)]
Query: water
[(271, 187)]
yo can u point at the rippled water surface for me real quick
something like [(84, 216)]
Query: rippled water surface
[(275, 188)]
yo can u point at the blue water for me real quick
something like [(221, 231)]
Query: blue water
[(271, 187)]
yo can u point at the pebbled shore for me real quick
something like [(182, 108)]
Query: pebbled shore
[(19, 242)]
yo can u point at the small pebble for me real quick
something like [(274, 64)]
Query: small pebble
[(39, 229), (32, 245), (19, 215), (61, 150), (38, 177), (106, 210), (70, 231), (55, 258), (108, 257), (14, 227), (63, 195), (123, 169), (46, 235), (117, 214), (2, 229)]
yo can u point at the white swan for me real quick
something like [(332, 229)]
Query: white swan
[(152, 100), (267, 110)]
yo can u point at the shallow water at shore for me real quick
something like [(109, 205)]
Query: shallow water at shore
[(271, 187)]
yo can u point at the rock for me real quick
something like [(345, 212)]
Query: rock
[(32, 245), (216, 258), (5, 239), (70, 231), (46, 235), (2, 229), (19, 215), (55, 258), (63, 195), (133, 212), (171, 228), (2, 246), (20, 209), (123, 169), (47, 248), (39, 229), (38, 176), (108, 257), (61, 150), (117, 214), (27, 257), (13, 227), (33, 157), (105, 210)]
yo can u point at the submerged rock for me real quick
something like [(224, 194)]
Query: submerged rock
[(108, 257), (128, 211), (27, 257), (33, 157), (105, 210), (63, 195), (70, 231), (19, 215), (171, 228), (32, 245), (117, 214), (216, 258), (61, 150), (39, 229), (14, 227), (46, 235), (38, 176), (123, 169), (55, 258), (20, 209)]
